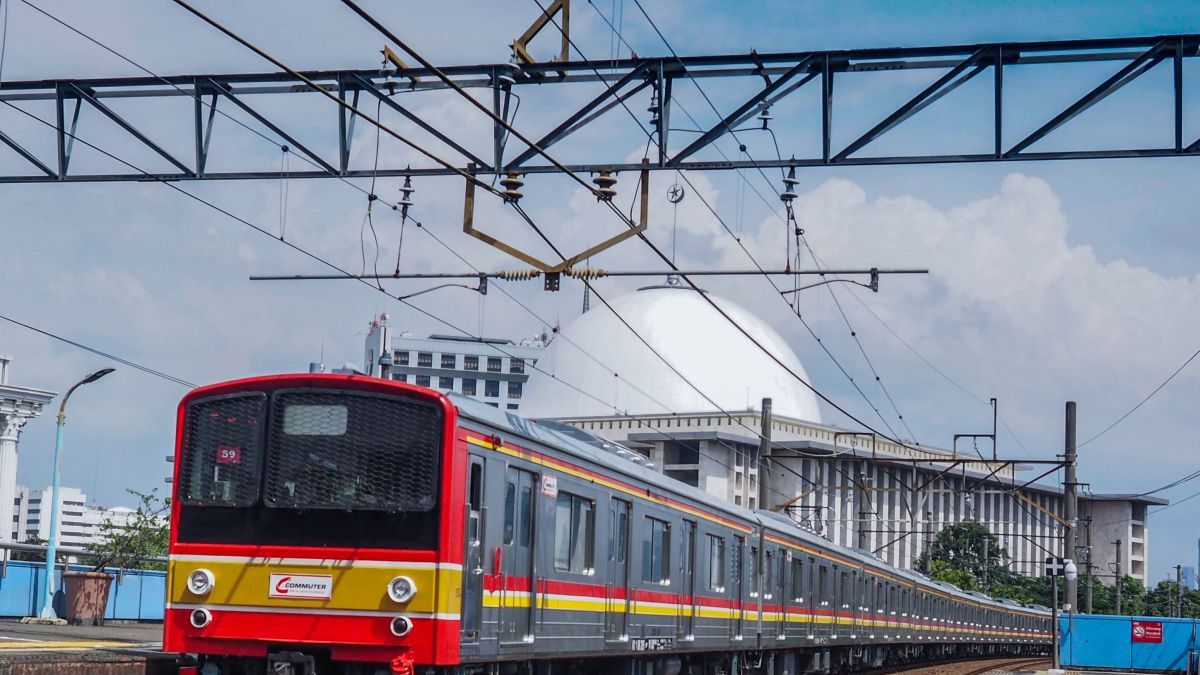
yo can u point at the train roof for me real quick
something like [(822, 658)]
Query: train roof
[(606, 453)]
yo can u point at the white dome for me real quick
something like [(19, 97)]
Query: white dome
[(698, 342)]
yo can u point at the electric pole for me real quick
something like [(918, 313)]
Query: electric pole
[(860, 528), (1120, 577), (986, 541), (1178, 590), (1091, 579), (1070, 505), (764, 452)]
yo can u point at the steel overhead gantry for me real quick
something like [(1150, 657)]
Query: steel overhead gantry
[(782, 74)]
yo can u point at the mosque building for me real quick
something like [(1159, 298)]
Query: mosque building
[(683, 383)]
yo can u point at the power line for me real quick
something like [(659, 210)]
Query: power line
[(737, 239), (1143, 401), (322, 261), (610, 205), (126, 362)]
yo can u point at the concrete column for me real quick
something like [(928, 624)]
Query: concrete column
[(10, 432)]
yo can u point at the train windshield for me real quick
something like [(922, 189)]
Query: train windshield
[(275, 468)]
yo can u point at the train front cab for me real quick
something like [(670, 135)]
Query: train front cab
[(315, 524)]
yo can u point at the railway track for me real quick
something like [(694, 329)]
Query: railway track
[(974, 667)]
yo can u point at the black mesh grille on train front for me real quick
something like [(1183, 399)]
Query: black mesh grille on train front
[(352, 451), (309, 467), (222, 451)]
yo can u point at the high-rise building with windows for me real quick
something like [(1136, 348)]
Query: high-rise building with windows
[(79, 524), (489, 369)]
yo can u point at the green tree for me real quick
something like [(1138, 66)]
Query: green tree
[(144, 536), (31, 556), (966, 554)]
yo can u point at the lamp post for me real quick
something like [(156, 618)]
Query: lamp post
[(52, 545)]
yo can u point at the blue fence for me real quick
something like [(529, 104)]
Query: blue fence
[(1127, 642), (135, 595)]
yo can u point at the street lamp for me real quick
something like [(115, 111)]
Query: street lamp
[(52, 546)]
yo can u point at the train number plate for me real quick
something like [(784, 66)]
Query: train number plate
[(305, 586), (652, 644)]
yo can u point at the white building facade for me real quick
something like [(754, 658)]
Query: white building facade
[(79, 525), (492, 370), (18, 405), (686, 391)]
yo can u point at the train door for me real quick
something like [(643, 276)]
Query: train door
[(472, 602), (782, 559), (516, 562), (616, 599), (687, 566), (737, 573), (824, 612)]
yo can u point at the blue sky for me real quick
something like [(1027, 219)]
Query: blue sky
[(1050, 280)]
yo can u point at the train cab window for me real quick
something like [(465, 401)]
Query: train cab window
[(221, 451), (656, 551), (510, 512), (716, 563), (574, 532), (797, 593)]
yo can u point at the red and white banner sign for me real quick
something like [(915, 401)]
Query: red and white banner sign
[(304, 586), (1147, 631)]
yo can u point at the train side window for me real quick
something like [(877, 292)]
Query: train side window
[(656, 551), (844, 592), (622, 535), (823, 585), (768, 575), (526, 532), (716, 563), (797, 580), (754, 571), (574, 532), (510, 511), (475, 502)]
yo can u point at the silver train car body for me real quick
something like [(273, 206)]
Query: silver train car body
[(577, 558)]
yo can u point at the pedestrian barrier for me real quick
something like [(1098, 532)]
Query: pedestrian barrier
[(1134, 643), (135, 595)]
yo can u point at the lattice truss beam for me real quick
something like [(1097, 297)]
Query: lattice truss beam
[(169, 121)]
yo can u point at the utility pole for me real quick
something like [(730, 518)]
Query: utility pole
[(764, 451), (860, 527), (986, 541), (1178, 590), (1120, 577), (1091, 580), (928, 542), (1070, 505)]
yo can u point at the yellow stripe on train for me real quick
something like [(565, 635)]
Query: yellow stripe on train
[(352, 586)]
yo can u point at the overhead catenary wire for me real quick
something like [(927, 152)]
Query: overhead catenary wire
[(738, 240), (743, 148), (383, 30), (262, 231), (279, 64), (313, 256), (98, 352), (1144, 399)]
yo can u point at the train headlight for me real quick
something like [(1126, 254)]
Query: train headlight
[(401, 626), (200, 582), (401, 589), (200, 618)]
